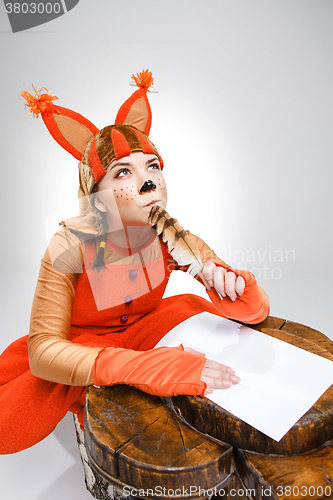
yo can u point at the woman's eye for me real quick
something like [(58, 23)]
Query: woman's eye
[(155, 166), (122, 172)]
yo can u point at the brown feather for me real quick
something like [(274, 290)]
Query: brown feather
[(180, 245)]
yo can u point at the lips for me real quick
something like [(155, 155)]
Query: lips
[(152, 203)]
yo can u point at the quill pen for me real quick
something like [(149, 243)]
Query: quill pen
[(181, 246)]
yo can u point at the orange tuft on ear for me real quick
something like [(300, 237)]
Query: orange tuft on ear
[(136, 110), (38, 103), (144, 80), (70, 129)]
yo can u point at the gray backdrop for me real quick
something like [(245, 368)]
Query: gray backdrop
[(243, 120)]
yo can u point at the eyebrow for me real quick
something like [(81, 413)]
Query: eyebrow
[(120, 164), (127, 164)]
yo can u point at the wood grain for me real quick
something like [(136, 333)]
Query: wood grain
[(305, 476), (139, 440)]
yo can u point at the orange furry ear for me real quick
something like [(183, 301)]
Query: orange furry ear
[(71, 130), (136, 110)]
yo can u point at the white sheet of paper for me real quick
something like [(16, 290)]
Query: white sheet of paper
[(279, 382)]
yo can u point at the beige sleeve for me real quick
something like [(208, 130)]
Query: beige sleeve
[(207, 254), (51, 355)]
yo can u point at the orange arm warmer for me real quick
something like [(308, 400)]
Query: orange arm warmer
[(251, 307), (165, 371)]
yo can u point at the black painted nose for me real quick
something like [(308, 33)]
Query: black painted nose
[(147, 186)]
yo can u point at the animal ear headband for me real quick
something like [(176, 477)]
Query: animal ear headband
[(95, 148)]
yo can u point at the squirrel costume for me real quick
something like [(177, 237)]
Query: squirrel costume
[(98, 309)]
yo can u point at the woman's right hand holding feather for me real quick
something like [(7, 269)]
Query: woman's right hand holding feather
[(226, 283)]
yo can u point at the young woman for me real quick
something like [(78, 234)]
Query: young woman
[(98, 310)]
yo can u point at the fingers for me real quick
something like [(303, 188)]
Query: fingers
[(214, 374), (216, 366), (240, 285), (224, 383), (230, 285), (220, 280), (208, 273), (226, 283), (218, 376)]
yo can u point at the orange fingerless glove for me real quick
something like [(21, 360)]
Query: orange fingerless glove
[(250, 307), (164, 371)]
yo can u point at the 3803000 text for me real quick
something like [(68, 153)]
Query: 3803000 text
[(32, 8)]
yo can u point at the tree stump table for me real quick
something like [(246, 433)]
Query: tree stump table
[(189, 447)]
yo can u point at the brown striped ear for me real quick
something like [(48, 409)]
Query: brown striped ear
[(71, 130), (136, 110)]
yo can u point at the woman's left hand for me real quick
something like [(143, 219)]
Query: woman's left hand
[(214, 374), (226, 283)]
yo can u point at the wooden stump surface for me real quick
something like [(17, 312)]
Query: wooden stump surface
[(136, 439), (143, 441)]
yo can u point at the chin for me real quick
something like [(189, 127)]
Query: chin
[(162, 204)]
